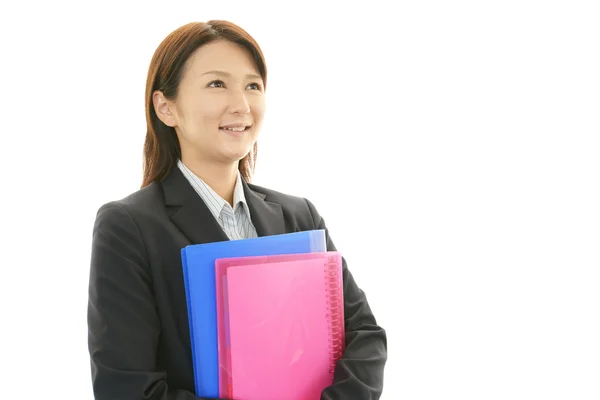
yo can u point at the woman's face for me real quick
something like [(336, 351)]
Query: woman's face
[(219, 107)]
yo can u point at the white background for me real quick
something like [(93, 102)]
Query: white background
[(452, 147)]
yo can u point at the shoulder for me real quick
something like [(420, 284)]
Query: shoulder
[(143, 202), (297, 205)]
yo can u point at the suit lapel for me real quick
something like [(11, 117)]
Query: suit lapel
[(193, 218), (188, 211), (267, 216)]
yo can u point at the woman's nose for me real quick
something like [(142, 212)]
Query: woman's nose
[(239, 104)]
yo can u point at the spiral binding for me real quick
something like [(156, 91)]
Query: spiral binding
[(334, 311)]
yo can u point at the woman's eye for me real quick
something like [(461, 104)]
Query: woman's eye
[(256, 86), (221, 84), (216, 84)]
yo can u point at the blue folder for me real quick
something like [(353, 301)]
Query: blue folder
[(199, 276)]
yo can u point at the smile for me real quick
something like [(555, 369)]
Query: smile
[(237, 129)]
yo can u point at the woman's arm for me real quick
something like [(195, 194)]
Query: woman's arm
[(359, 374), (123, 325)]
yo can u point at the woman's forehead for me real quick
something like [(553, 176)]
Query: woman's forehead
[(222, 58)]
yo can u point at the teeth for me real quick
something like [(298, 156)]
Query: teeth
[(240, 129)]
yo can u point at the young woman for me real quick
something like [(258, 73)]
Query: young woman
[(204, 108)]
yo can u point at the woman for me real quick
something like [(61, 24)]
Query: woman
[(204, 108)]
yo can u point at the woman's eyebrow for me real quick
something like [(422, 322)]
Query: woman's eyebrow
[(227, 74)]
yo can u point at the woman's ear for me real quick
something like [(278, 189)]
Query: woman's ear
[(164, 109)]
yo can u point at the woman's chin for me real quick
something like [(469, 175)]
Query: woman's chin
[(236, 153), (235, 156)]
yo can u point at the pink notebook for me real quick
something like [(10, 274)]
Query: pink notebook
[(280, 325)]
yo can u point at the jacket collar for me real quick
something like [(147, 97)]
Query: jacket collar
[(194, 219)]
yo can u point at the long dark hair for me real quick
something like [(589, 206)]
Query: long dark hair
[(161, 146)]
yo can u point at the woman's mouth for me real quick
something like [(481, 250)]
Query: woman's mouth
[(235, 130)]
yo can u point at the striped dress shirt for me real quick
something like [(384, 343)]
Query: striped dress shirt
[(236, 221)]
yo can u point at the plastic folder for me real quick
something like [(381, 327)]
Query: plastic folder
[(199, 277), (280, 325)]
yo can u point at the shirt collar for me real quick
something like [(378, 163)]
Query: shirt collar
[(215, 203), (238, 191)]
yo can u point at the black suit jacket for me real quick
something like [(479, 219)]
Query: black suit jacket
[(138, 330)]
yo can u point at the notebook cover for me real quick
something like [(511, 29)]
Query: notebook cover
[(198, 263), (281, 325)]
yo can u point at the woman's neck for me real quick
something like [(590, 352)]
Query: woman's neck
[(221, 178)]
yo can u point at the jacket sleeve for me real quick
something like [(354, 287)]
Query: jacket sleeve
[(359, 374), (123, 324)]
